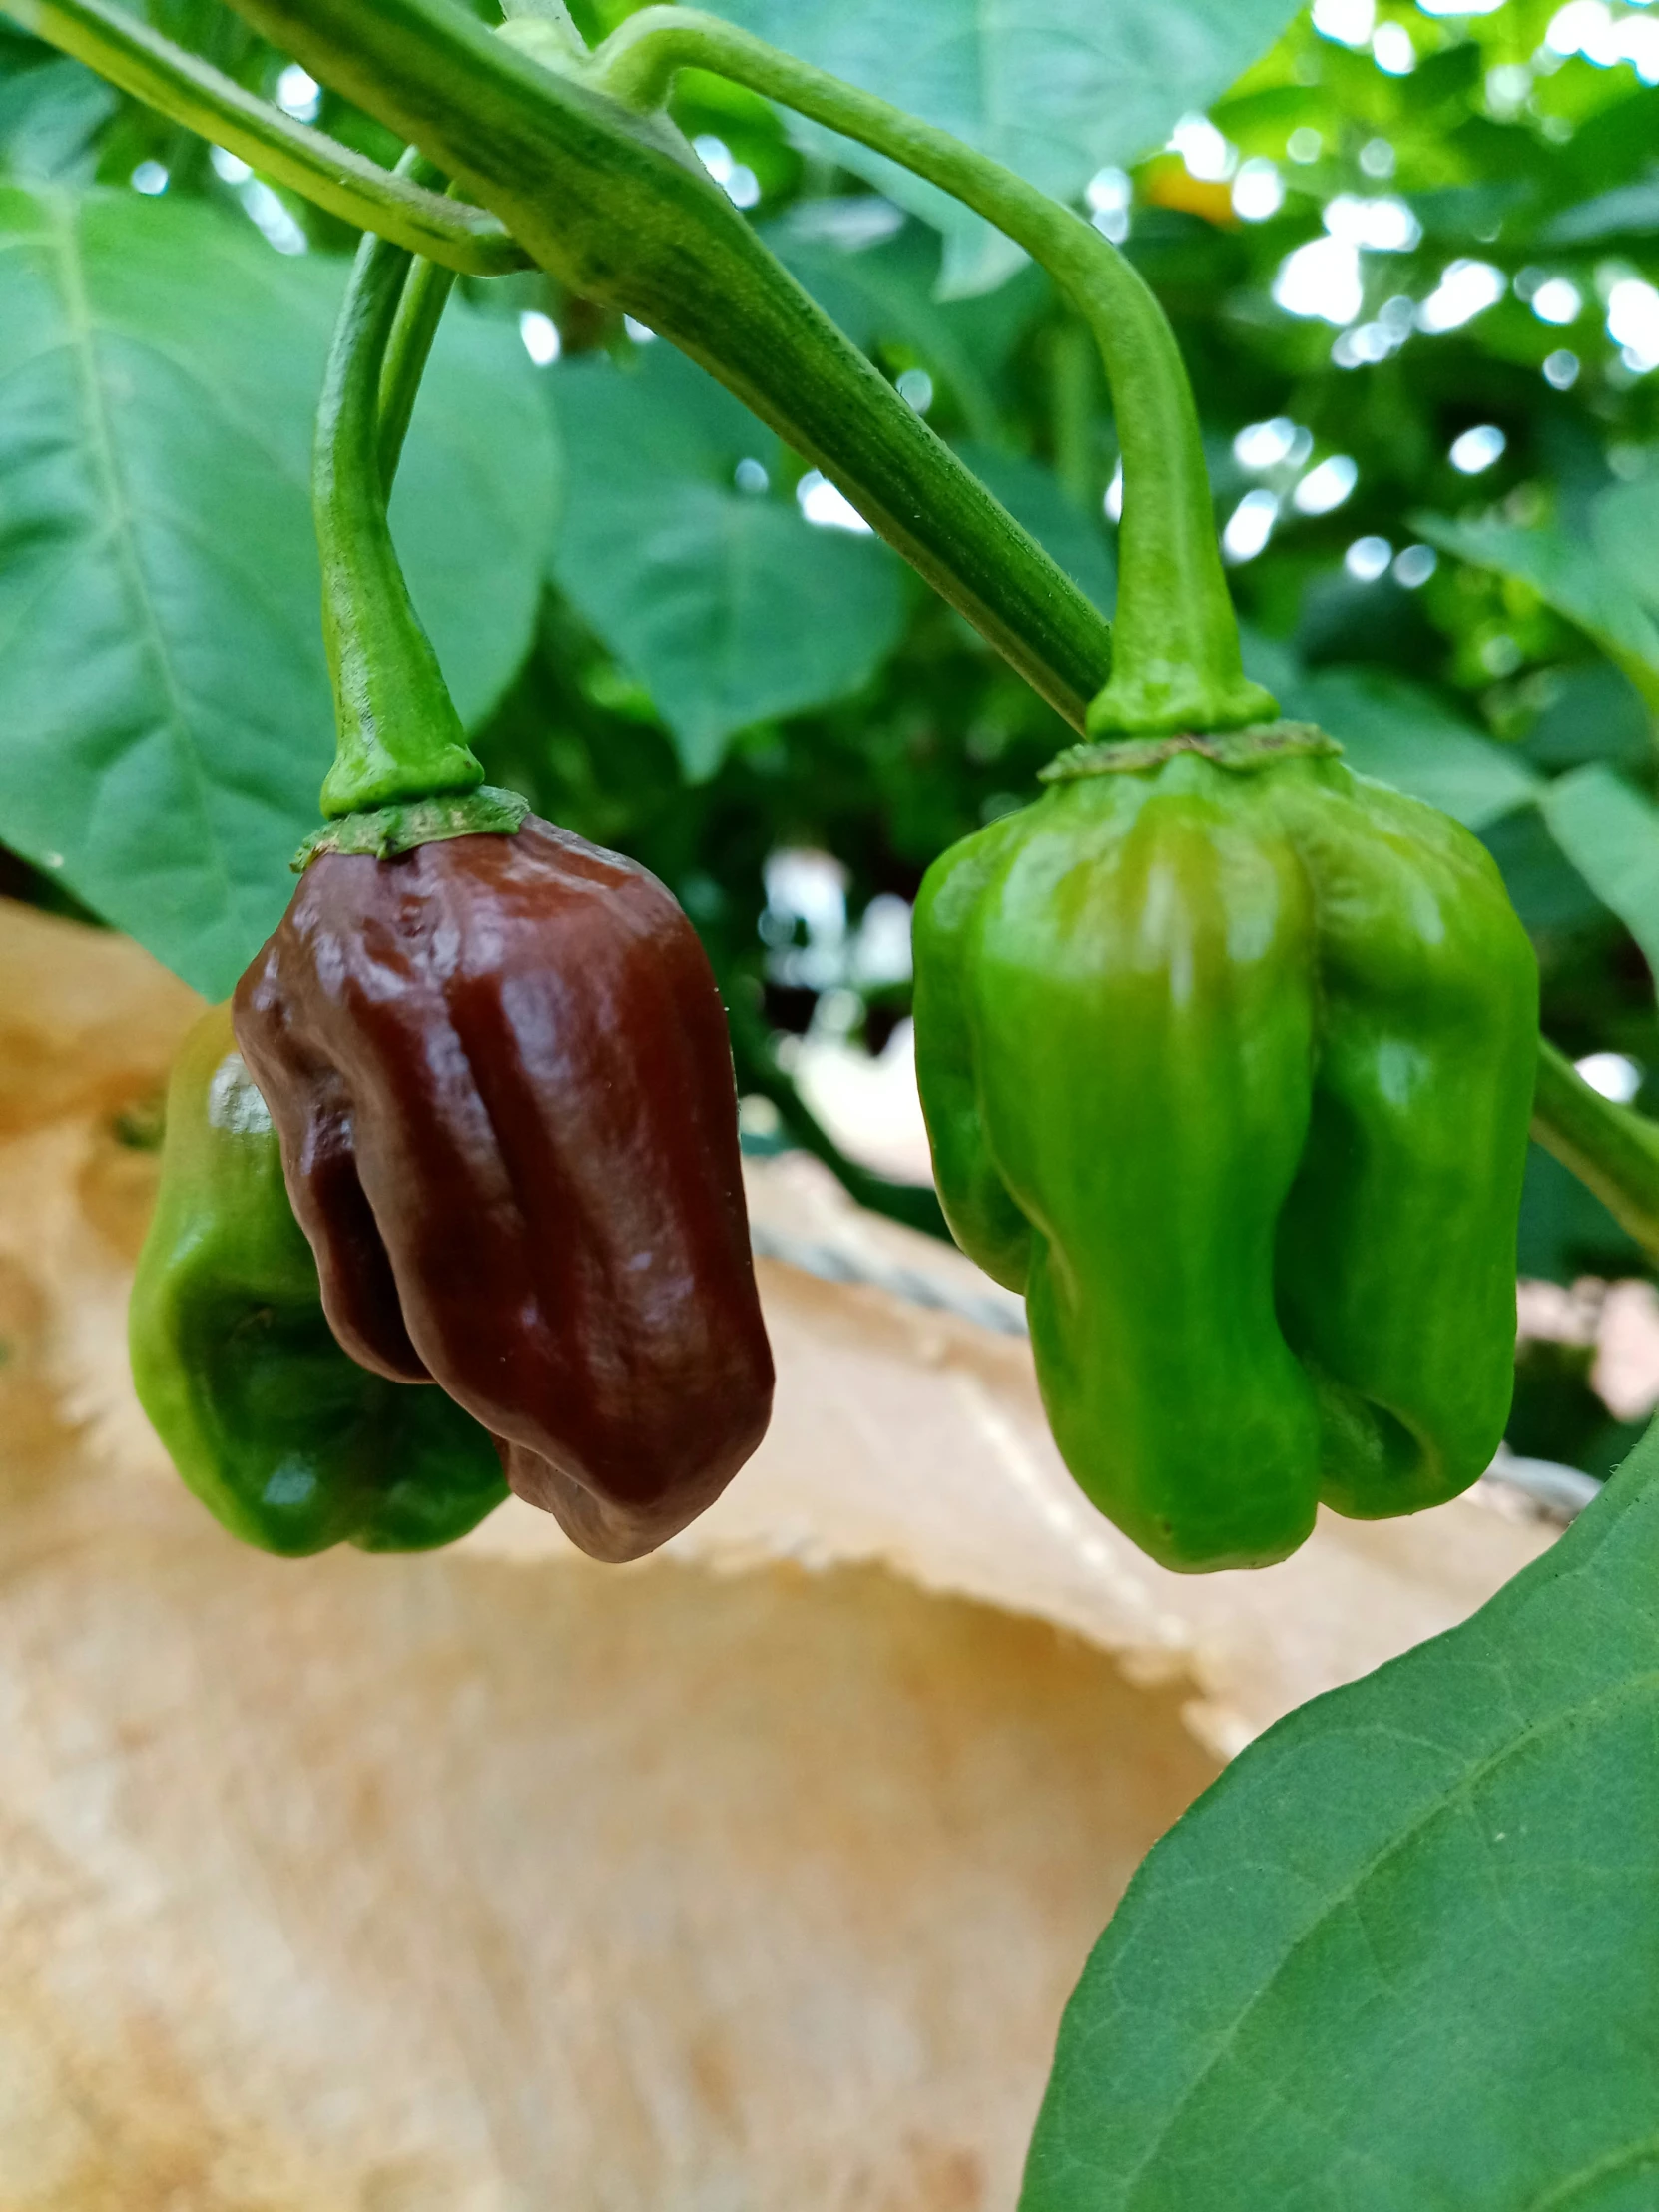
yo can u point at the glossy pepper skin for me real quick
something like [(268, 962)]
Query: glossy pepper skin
[(288, 1440), (1229, 1071), (499, 1069)]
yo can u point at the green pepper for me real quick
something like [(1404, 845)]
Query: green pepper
[(1227, 1055), (281, 1435)]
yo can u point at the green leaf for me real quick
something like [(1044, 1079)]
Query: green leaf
[(1610, 834), (165, 715), (1404, 1955), (1395, 730), (476, 502), (1603, 578), (1546, 889), (1591, 712), (1054, 92), (977, 257), (726, 604), (1628, 211), (1566, 1231), (1400, 732), (48, 117)]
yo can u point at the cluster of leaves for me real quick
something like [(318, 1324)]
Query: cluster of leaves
[(688, 651)]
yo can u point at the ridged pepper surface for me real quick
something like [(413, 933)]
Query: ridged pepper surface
[(1229, 1069), (499, 1069), (291, 1443)]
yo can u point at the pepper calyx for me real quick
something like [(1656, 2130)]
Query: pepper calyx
[(383, 831), (1240, 750)]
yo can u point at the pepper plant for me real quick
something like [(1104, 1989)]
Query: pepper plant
[(1229, 1052)]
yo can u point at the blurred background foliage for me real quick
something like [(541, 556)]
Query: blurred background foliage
[(1412, 260)]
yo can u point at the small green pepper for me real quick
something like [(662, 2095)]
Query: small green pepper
[(1227, 1056), (277, 1430)]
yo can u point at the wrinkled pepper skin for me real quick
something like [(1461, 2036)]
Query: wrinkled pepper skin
[(1229, 1071), (499, 1069), (288, 1440)]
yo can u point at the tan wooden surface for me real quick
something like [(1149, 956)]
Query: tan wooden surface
[(752, 1877)]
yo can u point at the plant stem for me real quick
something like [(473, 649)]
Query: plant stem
[(425, 294), (1613, 1150), (192, 93), (618, 208), (914, 1204), (1071, 386), (1175, 653), (399, 737)]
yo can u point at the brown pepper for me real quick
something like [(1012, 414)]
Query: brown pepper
[(499, 1071)]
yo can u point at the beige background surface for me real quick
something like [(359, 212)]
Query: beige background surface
[(495, 1882)]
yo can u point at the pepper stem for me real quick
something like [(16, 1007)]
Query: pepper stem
[(189, 90), (425, 295), (1175, 655), (399, 735)]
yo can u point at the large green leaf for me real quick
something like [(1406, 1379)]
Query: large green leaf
[(1400, 732), (1404, 1955), (477, 502), (1603, 578), (1054, 91), (1610, 834), (726, 604), (165, 717), (47, 116), (1628, 211)]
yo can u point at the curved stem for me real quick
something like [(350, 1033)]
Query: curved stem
[(192, 91), (1071, 390), (1174, 654), (399, 737), (425, 294), (917, 1205), (1613, 1150), (618, 208)]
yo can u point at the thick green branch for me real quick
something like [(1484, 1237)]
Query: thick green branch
[(618, 207), (1176, 648), (190, 91), (1613, 1151)]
